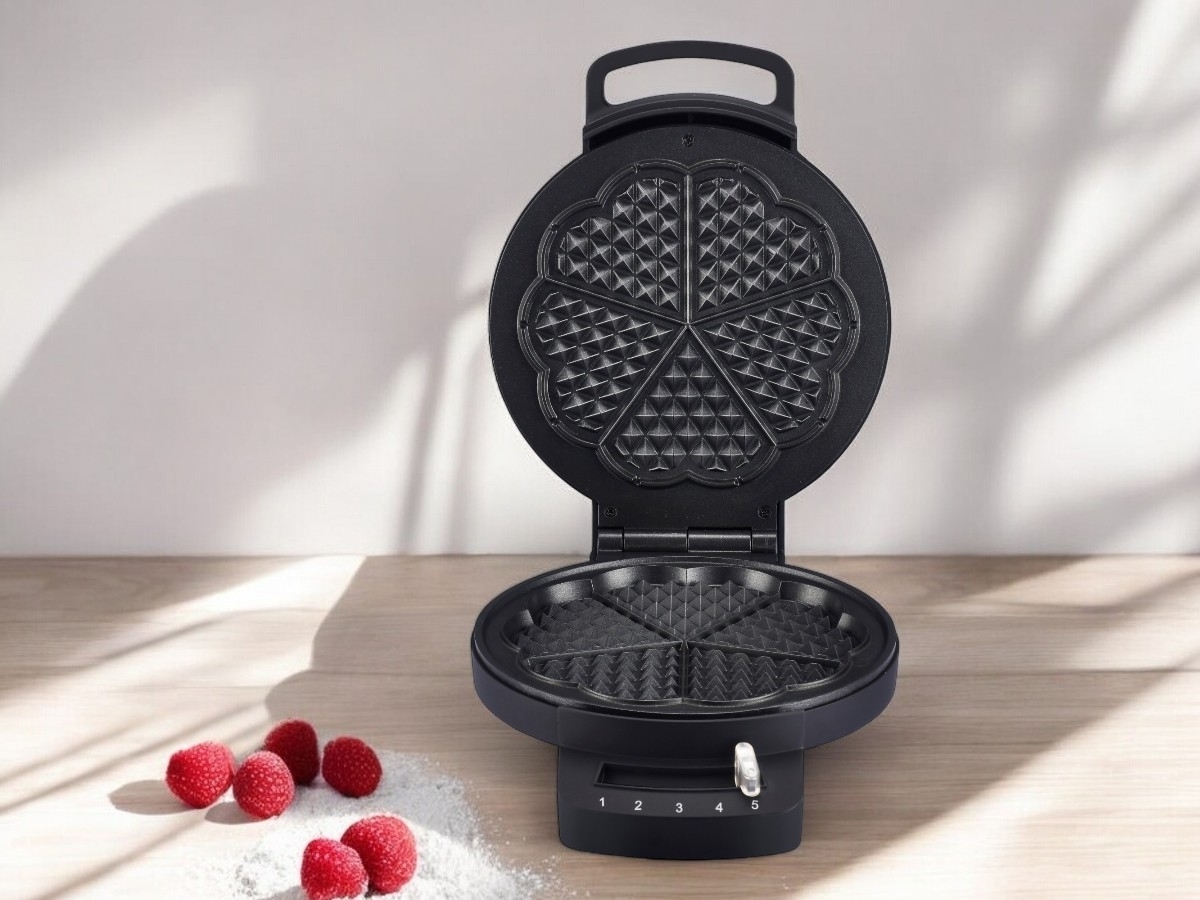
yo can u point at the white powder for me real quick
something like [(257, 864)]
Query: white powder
[(452, 859)]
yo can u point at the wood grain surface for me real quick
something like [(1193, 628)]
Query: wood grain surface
[(1043, 739)]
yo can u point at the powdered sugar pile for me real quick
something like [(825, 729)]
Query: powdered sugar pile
[(452, 859)]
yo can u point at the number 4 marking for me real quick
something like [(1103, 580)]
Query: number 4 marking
[(720, 807)]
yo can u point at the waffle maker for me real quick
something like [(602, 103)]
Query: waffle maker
[(689, 323)]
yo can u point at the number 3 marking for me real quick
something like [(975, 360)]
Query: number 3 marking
[(678, 807)]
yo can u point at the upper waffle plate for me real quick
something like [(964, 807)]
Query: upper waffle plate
[(688, 323), (689, 308)]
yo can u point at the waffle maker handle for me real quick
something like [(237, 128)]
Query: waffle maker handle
[(775, 121)]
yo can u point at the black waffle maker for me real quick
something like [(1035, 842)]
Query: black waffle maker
[(689, 323)]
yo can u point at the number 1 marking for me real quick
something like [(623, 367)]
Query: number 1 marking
[(601, 801)]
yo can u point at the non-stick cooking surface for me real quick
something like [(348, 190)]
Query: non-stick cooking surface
[(689, 324), (739, 644), (689, 308), (705, 637)]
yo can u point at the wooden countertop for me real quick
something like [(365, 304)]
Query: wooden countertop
[(1042, 740)]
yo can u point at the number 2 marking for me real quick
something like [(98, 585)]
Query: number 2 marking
[(637, 805)]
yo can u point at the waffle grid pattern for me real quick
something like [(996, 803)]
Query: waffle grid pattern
[(776, 355), (688, 324), (740, 251), (598, 352), (632, 252), (684, 641), (688, 422)]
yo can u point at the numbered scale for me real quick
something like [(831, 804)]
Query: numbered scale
[(678, 809), (689, 324)]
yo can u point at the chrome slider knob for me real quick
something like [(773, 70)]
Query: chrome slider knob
[(746, 774)]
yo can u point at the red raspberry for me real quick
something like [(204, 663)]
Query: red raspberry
[(331, 869), (388, 851), (263, 786), (199, 775), (295, 742), (351, 767)]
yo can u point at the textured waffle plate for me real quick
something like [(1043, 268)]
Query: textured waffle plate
[(666, 638), (706, 383), (690, 310)]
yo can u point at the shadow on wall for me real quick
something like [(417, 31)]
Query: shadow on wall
[(284, 349)]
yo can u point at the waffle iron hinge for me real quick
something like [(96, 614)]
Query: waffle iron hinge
[(752, 543)]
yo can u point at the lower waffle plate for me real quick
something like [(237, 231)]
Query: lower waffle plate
[(672, 638)]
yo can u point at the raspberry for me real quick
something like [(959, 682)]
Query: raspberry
[(351, 767), (388, 851), (331, 869), (263, 786), (199, 775), (295, 742)]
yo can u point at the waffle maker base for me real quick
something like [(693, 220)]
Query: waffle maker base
[(647, 672), (689, 323)]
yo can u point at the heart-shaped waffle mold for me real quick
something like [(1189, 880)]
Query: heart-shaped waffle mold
[(791, 628), (684, 609), (723, 676), (632, 248), (648, 673), (581, 625), (742, 250), (685, 641), (688, 323), (597, 355)]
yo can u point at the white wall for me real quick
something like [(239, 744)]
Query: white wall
[(245, 249)]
